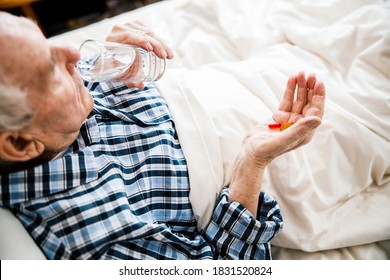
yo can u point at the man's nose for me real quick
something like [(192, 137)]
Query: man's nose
[(70, 56), (73, 56)]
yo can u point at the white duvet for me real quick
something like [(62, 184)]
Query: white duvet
[(232, 62)]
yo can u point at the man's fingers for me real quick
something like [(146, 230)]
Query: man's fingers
[(137, 34), (123, 35), (311, 81), (159, 46), (317, 104), (288, 97), (318, 100), (301, 96), (300, 133)]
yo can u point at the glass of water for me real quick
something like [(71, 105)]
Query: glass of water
[(102, 61)]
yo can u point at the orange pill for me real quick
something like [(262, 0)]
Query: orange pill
[(286, 125)]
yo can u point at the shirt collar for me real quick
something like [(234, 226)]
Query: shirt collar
[(52, 177)]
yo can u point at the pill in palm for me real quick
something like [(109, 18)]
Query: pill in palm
[(286, 125), (274, 126)]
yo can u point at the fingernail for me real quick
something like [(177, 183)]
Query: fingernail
[(170, 54), (164, 53)]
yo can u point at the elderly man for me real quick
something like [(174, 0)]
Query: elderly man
[(97, 171)]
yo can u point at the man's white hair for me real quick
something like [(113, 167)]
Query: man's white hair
[(15, 113)]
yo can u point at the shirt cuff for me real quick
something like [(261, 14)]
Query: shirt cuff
[(236, 221)]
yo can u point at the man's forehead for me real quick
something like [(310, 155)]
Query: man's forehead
[(12, 25), (31, 48), (18, 31)]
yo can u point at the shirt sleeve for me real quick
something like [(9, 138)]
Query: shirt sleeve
[(235, 233)]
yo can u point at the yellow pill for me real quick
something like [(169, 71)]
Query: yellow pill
[(286, 125)]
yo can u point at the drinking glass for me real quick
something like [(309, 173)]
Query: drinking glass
[(102, 61)]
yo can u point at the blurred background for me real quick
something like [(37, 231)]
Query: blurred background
[(58, 16)]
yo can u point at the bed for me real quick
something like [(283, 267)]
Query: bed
[(232, 61)]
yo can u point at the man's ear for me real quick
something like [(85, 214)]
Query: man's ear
[(19, 146)]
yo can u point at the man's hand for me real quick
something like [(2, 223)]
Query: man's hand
[(303, 105), (139, 35)]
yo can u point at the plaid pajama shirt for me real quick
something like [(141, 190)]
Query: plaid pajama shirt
[(121, 191)]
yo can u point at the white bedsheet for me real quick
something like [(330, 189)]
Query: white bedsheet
[(232, 62)]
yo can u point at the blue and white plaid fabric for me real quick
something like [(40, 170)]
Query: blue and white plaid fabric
[(121, 191)]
